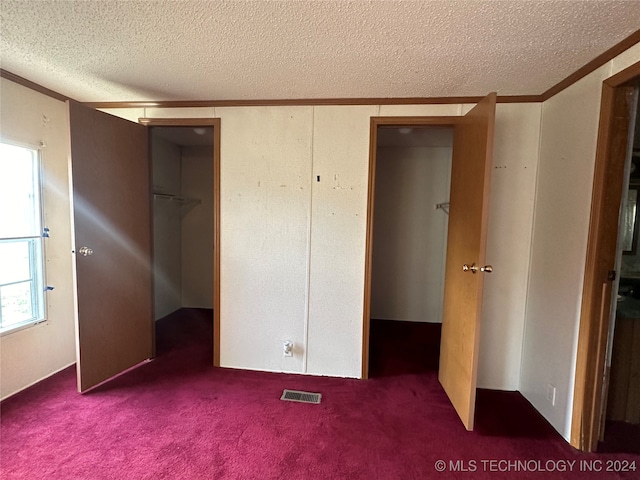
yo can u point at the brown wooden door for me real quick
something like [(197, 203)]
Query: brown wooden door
[(468, 213), (112, 218)]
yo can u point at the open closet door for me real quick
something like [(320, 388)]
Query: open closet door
[(112, 226), (465, 265)]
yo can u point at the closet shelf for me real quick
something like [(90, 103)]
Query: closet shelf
[(185, 203)]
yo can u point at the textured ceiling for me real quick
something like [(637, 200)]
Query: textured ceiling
[(215, 50)]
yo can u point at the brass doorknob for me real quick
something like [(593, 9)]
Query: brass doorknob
[(473, 268)]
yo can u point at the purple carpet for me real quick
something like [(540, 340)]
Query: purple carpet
[(177, 417)]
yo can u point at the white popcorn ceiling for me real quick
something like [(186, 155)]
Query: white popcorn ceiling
[(216, 50)]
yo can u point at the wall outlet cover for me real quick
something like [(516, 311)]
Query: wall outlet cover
[(551, 394)]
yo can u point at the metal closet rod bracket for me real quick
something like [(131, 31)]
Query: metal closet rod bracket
[(186, 203), (444, 206)]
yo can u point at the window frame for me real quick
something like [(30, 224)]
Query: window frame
[(36, 246)]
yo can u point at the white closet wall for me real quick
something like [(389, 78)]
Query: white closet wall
[(167, 238), (183, 231), (197, 228), (410, 235)]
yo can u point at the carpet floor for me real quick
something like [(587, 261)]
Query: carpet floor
[(177, 417), (620, 437)]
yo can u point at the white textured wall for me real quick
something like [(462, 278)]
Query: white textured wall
[(419, 110), (292, 263), (509, 237), (513, 180), (338, 236), (293, 258), (625, 59), (167, 238), (293, 248), (563, 202), (265, 212), (197, 228), (34, 353), (410, 235)]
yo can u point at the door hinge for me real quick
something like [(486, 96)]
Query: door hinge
[(611, 275)]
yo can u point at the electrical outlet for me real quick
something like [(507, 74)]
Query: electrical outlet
[(551, 394), (287, 348)]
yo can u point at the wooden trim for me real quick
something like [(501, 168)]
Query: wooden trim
[(594, 64), (311, 101), (628, 75), (587, 311), (601, 351), (373, 146), (600, 259), (32, 85), (516, 99), (366, 311), (215, 123), (445, 120), (180, 122), (216, 241)]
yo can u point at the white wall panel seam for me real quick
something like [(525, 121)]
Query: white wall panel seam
[(307, 306)]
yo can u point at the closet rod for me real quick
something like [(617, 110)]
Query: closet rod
[(173, 198)]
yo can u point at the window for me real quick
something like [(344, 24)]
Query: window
[(21, 271)]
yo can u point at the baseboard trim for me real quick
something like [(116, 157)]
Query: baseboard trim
[(36, 381)]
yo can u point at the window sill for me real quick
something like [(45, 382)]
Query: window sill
[(20, 326)]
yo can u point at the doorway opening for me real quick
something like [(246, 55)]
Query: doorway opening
[(182, 169), (185, 189), (620, 424), (412, 181), (604, 277), (471, 159)]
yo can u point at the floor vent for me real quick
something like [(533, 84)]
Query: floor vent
[(304, 397)]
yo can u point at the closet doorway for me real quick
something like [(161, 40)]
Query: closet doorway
[(185, 170), (413, 175), (465, 267)]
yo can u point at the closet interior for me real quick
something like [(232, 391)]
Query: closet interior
[(183, 225)]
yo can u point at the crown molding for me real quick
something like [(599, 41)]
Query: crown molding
[(594, 64), (310, 102), (32, 85)]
